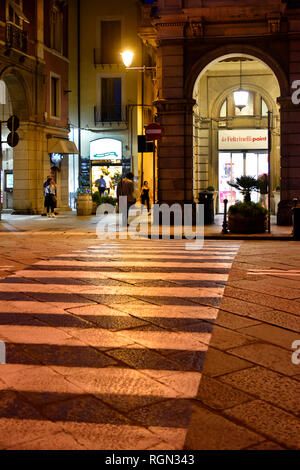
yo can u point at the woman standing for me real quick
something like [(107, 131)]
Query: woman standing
[(145, 195), (50, 197)]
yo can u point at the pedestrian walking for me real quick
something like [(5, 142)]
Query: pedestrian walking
[(126, 188), (145, 195), (101, 185), (44, 213), (50, 197), (108, 184)]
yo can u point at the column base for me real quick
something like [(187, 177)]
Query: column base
[(285, 212)]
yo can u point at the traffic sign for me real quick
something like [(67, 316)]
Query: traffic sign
[(13, 123), (12, 139), (153, 131)]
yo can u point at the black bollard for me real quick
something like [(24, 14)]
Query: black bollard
[(225, 228), (296, 219)]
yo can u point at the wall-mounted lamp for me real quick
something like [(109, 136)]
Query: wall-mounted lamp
[(127, 57)]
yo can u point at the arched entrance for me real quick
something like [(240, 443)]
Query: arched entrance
[(17, 172), (229, 142)]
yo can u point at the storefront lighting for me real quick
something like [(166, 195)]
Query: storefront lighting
[(241, 96)]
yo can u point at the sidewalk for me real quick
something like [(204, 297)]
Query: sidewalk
[(69, 222), (136, 345)]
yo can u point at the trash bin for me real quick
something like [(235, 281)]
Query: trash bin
[(296, 222), (207, 199)]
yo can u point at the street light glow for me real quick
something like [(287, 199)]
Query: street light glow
[(127, 57)]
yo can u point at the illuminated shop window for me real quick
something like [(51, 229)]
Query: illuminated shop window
[(2, 92)]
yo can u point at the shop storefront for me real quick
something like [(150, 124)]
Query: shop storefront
[(241, 152), (106, 161)]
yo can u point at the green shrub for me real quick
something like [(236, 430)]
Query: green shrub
[(103, 199), (210, 188), (248, 209)]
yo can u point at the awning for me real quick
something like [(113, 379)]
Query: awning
[(18, 11), (61, 146)]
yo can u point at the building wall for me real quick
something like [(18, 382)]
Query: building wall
[(92, 70), (25, 69), (189, 35)]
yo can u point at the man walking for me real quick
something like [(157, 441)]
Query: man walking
[(126, 188), (101, 185)]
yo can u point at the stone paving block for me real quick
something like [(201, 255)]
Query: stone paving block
[(269, 356), (219, 363), (41, 385), (219, 396), (111, 436), (239, 306), (276, 303), (15, 432), (274, 288), (83, 409), (233, 321), (279, 318), (55, 441), (171, 437), (99, 337), (272, 334), (223, 338), (272, 422), (267, 385), (210, 431), (186, 384), (266, 445), (168, 413)]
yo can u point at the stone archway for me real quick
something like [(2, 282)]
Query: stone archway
[(25, 157), (215, 83)]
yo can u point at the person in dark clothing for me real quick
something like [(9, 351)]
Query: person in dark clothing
[(50, 197), (126, 188), (145, 195)]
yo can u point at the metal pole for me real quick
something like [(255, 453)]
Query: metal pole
[(0, 168), (224, 228), (269, 168), (154, 189)]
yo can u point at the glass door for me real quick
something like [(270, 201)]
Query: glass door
[(231, 166)]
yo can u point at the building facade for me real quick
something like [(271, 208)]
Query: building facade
[(204, 49), (34, 86), (108, 103)]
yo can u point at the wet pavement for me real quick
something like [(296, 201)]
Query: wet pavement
[(146, 345)]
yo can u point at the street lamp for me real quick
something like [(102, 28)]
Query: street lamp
[(241, 96), (127, 57)]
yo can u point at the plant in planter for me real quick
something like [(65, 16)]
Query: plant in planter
[(211, 189), (245, 184), (247, 217), (84, 202)]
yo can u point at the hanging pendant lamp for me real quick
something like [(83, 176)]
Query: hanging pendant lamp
[(241, 96)]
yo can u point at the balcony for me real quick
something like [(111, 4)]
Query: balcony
[(108, 115), (16, 38)]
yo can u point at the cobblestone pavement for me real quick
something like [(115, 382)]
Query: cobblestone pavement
[(135, 345)]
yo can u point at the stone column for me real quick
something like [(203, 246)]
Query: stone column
[(175, 114)]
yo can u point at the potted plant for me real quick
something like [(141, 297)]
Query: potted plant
[(247, 216), (97, 200), (246, 184), (84, 201)]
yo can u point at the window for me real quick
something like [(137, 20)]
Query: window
[(264, 108), (2, 92), (56, 29), (15, 13), (223, 111), (54, 96), (111, 99), (110, 42)]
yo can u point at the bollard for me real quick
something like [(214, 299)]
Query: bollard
[(296, 220), (225, 228)]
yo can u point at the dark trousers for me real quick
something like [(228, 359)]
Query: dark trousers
[(101, 191), (147, 201), (49, 203)]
